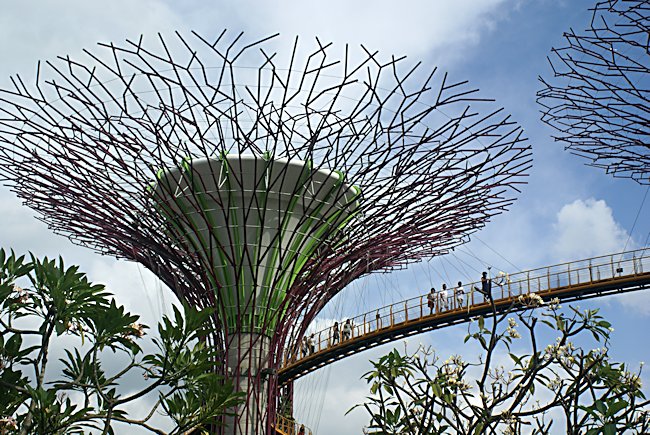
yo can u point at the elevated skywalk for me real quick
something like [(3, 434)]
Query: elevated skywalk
[(287, 426), (592, 277)]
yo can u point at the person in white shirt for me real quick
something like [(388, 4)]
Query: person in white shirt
[(305, 347), (444, 297), (460, 294), (347, 330)]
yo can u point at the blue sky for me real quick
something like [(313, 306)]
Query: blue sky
[(567, 211)]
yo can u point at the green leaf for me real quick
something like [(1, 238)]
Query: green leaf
[(616, 406), (549, 324), (559, 321), (5, 291), (60, 327), (609, 429), (516, 359), (12, 348)]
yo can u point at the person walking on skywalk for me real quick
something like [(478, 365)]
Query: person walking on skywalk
[(335, 333), (347, 330), (486, 287), (431, 300)]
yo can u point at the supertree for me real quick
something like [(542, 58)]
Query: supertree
[(599, 98), (257, 186)]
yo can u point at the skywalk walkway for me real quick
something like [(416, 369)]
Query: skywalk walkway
[(593, 277), (287, 426)]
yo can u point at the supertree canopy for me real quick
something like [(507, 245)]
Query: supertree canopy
[(253, 183), (599, 98)]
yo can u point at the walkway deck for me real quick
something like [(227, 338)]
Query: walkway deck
[(286, 426), (593, 277)]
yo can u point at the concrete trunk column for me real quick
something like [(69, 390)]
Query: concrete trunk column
[(248, 355)]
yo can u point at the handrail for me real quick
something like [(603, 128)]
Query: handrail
[(504, 286), (288, 426)]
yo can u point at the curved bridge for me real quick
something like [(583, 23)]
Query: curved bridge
[(593, 277)]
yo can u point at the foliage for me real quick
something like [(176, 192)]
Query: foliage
[(558, 388), (58, 301)]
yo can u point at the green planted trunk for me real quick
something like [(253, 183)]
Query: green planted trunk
[(254, 222)]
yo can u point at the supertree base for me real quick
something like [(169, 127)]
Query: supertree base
[(248, 362)]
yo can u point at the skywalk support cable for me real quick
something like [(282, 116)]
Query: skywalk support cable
[(462, 264), (496, 252), (638, 213), (484, 264)]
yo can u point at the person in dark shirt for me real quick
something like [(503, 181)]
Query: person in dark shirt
[(311, 344), (335, 333), (486, 286)]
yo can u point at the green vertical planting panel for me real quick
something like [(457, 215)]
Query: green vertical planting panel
[(255, 222)]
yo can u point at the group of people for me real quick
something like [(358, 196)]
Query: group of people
[(338, 333), (308, 345), (344, 332), (442, 300), (438, 300)]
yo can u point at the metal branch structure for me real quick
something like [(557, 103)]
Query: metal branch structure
[(599, 98), (257, 184)]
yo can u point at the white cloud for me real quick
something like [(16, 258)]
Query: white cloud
[(442, 31), (638, 301), (587, 228), (416, 29), (30, 32), (135, 287)]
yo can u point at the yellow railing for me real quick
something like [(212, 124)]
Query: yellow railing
[(287, 426), (597, 270)]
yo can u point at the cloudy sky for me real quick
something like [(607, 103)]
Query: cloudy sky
[(567, 211)]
